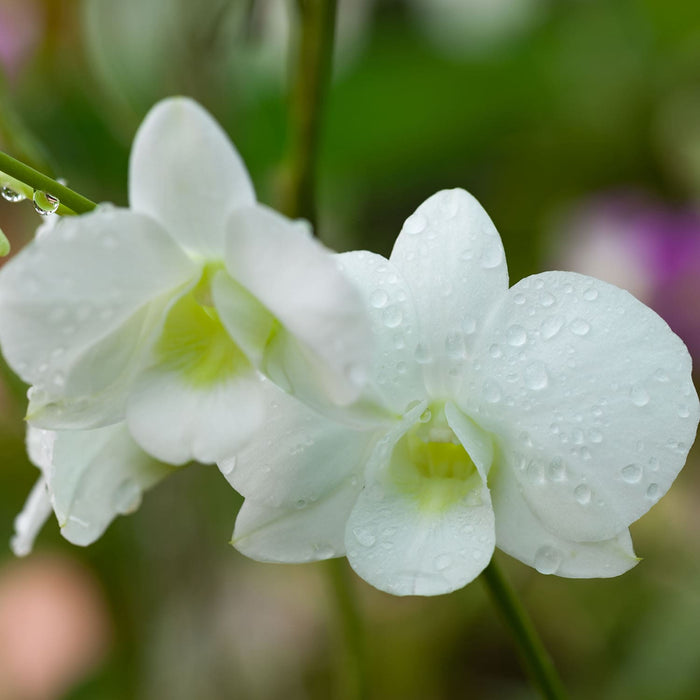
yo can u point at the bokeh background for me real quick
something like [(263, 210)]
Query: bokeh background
[(576, 123)]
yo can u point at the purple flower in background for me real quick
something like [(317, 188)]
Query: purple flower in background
[(21, 25), (645, 246)]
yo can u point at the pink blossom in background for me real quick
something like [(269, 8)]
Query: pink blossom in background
[(21, 26), (647, 247), (54, 627)]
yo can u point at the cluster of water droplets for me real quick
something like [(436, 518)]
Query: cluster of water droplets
[(44, 202)]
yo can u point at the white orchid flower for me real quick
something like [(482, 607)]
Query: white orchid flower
[(163, 314), (542, 419), (88, 477)]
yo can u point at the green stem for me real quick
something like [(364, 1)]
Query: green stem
[(311, 79), (355, 685), (530, 647), (76, 203)]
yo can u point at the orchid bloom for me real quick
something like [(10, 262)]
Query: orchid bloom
[(164, 314), (144, 331), (542, 419)]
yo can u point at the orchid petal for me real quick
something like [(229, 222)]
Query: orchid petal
[(588, 395), (185, 173)]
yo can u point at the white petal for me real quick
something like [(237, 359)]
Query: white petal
[(477, 443), (451, 255), (177, 421), (404, 544), (298, 280), (522, 535), (588, 394), (297, 457), (289, 534), (40, 447), (32, 518), (395, 377), (77, 305), (185, 172), (96, 475)]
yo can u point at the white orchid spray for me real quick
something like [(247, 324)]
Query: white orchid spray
[(542, 419), (144, 331)]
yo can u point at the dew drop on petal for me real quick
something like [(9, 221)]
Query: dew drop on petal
[(10, 195), (653, 491), (536, 376), (683, 411), (582, 494), (468, 325), (548, 560), (127, 497), (495, 351), (425, 416), (580, 327), (454, 346), (492, 392), (415, 224), (590, 294), (551, 326), (45, 203), (492, 255), (227, 465), (442, 562), (519, 299), (632, 473), (364, 537), (392, 316), (422, 354), (378, 298), (639, 396), (516, 336), (547, 299)]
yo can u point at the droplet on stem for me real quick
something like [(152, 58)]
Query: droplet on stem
[(45, 203)]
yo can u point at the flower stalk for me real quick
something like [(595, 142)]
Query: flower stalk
[(311, 79), (532, 651)]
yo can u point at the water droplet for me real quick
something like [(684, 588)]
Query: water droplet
[(59, 380), (392, 316), (595, 435), (399, 341), (425, 416), (492, 392), (227, 466), (632, 473), (519, 299), (415, 224), (683, 411), (454, 346), (356, 374), (495, 351), (468, 325), (590, 294), (492, 255), (322, 551), (536, 376), (10, 195), (547, 299), (301, 503), (556, 471), (551, 326), (580, 327), (127, 497), (443, 562), (582, 494), (653, 491), (660, 375), (548, 560), (378, 298), (422, 354), (639, 396), (516, 336), (45, 203), (401, 367), (364, 536)]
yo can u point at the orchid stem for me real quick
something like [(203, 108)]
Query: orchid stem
[(312, 74), (355, 685), (70, 202), (532, 651)]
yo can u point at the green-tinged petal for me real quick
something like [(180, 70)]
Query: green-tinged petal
[(297, 457), (423, 524), (185, 172), (95, 475), (298, 280), (520, 533), (77, 304), (296, 534), (588, 394), (451, 255)]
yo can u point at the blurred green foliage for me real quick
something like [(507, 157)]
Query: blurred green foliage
[(572, 106)]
